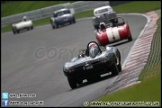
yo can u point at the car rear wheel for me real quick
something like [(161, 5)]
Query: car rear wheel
[(14, 30), (31, 27), (119, 67), (72, 82), (74, 20), (114, 69), (56, 25), (130, 38), (17, 31), (53, 26), (119, 61)]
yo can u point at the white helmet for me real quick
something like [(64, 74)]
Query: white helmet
[(24, 18), (102, 26), (93, 50)]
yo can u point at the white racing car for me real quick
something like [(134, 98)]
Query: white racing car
[(24, 24)]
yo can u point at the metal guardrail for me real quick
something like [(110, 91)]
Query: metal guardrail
[(75, 7)]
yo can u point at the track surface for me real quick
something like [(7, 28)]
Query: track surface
[(32, 61)]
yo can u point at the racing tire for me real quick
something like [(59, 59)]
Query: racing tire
[(72, 82), (56, 25), (130, 38), (52, 24), (114, 69), (31, 27), (17, 31), (53, 27), (74, 20), (119, 67), (14, 31)]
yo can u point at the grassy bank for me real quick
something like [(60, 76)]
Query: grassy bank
[(137, 7), (149, 90), (24, 6)]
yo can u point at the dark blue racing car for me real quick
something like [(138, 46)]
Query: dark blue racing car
[(61, 17)]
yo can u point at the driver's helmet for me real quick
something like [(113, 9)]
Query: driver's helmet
[(24, 18), (93, 50), (102, 26)]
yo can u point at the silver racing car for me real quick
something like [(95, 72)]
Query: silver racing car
[(91, 63)]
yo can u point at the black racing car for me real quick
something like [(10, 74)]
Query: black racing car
[(91, 63)]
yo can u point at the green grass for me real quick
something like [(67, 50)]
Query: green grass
[(147, 90), (150, 87), (124, 8), (8, 8), (138, 7), (153, 65)]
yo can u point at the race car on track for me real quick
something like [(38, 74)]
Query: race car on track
[(103, 14), (62, 16), (24, 24), (113, 32), (92, 62)]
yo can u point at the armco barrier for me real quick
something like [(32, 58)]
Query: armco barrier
[(48, 11)]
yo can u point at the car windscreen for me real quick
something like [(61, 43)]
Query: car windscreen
[(62, 13), (102, 11)]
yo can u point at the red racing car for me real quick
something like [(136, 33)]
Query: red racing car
[(113, 32)]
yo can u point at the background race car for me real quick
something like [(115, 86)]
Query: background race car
[(61, 17), (114, 32), (26, 23), (103, 14)]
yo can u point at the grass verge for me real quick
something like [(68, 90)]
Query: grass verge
[(24, 6), (136, 6), (149, 90)]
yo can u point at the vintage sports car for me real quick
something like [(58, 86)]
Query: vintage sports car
[(91, 63), (103, 14), (113, 32), (24, 24), (60, 17)]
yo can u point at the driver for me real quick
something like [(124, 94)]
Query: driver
[(102, 26), (93, 50), (24, 18), (81, 54)]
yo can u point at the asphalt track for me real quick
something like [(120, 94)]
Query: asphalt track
[(32, 61)]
